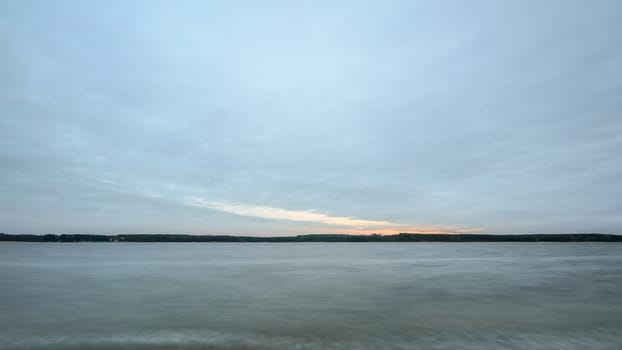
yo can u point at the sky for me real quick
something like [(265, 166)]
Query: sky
[(298, 117)]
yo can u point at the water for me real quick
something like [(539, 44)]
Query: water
[(311, 296)]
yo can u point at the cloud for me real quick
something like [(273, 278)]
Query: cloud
[(285, 214), (335, 224)]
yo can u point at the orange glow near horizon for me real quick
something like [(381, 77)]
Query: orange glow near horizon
[(386, 232)]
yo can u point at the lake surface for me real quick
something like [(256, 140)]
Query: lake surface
[(311, 296)]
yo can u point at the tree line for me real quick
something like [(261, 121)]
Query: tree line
[(401, 237)]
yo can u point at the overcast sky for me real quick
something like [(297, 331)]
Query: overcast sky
[(274, 118)]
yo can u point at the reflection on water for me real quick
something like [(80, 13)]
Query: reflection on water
[(310, 296)]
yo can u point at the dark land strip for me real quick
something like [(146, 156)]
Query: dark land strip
[(402, 237)]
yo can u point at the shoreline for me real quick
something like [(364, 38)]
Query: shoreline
[(314, 238)]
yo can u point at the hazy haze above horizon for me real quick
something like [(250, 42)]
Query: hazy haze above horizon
[(274, 118)]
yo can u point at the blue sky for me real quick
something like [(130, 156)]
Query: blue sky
[(278, 118)]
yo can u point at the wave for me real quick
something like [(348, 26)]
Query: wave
[(212, 340)]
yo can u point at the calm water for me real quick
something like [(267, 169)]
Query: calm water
[(310, 296)]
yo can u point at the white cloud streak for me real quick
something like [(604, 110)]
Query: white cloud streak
[(285, 214)]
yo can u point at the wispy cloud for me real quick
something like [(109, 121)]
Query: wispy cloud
[(285, 214), (335, 224)]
